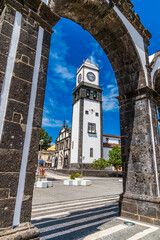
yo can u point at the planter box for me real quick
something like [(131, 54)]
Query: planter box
[(41, 184), (41, 179), (68, 182), (77, 182), (86, 182)]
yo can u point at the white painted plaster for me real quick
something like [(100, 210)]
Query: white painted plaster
[(9, 69), (151, 57), (111, 140), (96, 73), (154, 149), (21, 184), (137, 39), (106, 153), (155, 68), (75, 132), (91, 140), (84, 69)]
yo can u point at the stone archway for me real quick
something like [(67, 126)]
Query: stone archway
[(25, 32)]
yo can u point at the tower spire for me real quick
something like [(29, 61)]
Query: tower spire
[(64, 123)]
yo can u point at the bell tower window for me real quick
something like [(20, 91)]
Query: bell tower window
[(94, 94), (87, 93)]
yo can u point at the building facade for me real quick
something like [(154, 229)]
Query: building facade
[(86, 136), (47, 157), (109, 141), (61, 157)]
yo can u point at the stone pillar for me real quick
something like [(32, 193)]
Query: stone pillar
[(141, 164), (25, 32)]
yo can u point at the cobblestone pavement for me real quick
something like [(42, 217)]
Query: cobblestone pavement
[(78, 216)]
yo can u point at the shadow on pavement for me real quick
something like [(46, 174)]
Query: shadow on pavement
[(76, 225)]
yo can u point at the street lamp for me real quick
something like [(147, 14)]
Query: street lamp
[(40, 144)]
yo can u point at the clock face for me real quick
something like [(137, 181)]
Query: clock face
[(79, 78), (91, 77)]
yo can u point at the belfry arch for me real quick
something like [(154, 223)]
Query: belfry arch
[(25, 32)]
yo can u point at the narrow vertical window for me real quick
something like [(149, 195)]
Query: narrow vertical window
[(91, 152), (72, 144)]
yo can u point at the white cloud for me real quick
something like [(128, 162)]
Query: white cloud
[(45, 110), (111, 86), (53, 123), (47, 122), (60, 68), (51, 103), (93, 60), (96, 53), (64, 72), (110, 103)]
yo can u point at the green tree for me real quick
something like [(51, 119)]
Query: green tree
[(115, 158), (100, 163), (46, 139)]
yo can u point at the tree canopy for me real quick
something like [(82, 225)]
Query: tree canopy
[(46, 139), (100, 163), (115, 157)]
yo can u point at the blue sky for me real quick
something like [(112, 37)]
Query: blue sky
[(70, 45)]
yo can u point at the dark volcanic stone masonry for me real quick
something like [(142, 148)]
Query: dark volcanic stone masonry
[(137, 101)]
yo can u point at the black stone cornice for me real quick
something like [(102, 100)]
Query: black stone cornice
[(87, 85), (35, 9), (151, 199), (139, 94)]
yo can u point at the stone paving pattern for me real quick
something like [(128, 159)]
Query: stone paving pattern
[(74, 213)]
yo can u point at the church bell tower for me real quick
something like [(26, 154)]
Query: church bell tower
[(87, 119)]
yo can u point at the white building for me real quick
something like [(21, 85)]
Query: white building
[(86, 142), (109, 141), (86, 134), (62, 152)]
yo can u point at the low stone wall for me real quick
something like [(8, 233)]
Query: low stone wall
[(91, 173)]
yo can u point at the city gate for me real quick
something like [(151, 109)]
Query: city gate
[(25, 32)]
